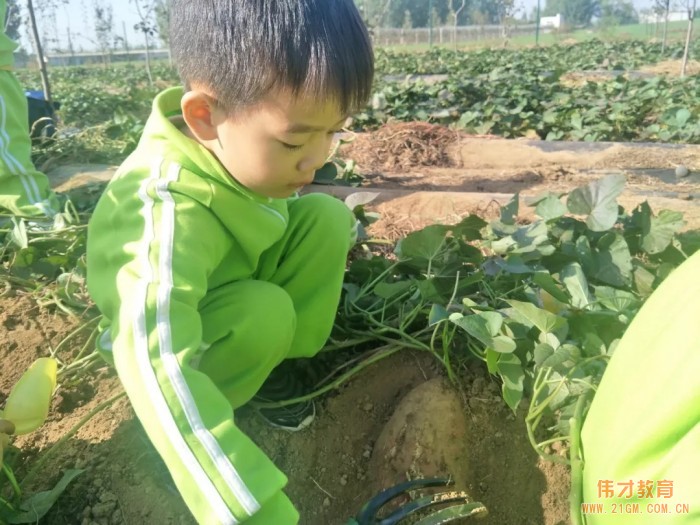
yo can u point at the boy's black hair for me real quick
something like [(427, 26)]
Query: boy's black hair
[(243, 49)]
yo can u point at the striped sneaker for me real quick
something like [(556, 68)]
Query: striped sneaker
[(288, 381)]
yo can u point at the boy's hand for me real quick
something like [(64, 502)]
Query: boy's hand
[(442, 513)]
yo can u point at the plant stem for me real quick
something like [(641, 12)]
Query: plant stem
[(37, 467), (75, 332), (380, 354), (577, 463), (13, 481)]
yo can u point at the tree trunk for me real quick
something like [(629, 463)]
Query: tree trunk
[(663, 40), (39, 54), (688, 36), (148, 61), (126, 43), (457, 19)]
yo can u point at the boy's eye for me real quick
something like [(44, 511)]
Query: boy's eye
[(292, 147)]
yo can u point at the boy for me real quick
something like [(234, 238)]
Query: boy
[(24, 191), (208, 268)]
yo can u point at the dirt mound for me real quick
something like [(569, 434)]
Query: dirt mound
[(402, 146), (672, 68)]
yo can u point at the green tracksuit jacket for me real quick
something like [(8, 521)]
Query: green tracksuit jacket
[(641, 438), (206, 287), (23, 190)]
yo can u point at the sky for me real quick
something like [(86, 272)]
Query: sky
[(77, 17)]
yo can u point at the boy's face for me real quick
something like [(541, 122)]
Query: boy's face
[(275, 147)]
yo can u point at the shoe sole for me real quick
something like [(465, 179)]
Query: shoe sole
[(305, 423)]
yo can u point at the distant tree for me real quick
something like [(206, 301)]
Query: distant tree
[(618, 12), (456, 14), (505, 16), (395, 14), (145, 10), (575, 12), (162, 13), (661, 8), (13, 20), (407, 20), (104, 28), (691, 7)]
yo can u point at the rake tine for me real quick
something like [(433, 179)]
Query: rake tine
[(449, 514), (423, 502), (369, 511)]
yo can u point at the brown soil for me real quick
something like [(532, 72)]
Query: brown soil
[(332, 467), (672, 68), (402, 145), (392, 421), (485, 172)]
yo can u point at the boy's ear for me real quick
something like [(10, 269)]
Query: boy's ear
[(198, 111)]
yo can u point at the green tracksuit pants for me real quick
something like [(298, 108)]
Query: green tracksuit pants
[(23, 190), (641, 438), (248, 327)]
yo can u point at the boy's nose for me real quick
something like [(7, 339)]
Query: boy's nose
[(312, 163)]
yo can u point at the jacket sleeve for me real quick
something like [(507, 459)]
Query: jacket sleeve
[(157, 331)]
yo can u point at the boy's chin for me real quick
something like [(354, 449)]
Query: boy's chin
[(283, 193)]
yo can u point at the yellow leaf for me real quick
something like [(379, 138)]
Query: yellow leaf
[(28, 404), (551, 304)]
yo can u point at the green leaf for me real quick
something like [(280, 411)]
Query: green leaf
[(511, 370), (326, 174), (438, 313), (423, 245), (661, 231), (585, 254), (563, 359), (542, 319), (475, 325), (18, 235), (593, 345), (542, 352), (577, 285), (509, 212), (36, 507), (550, 208), (469, 228), (616, 300), (492, 360), (643, 281), (503, 344), (576, 120), (545, 281), (494, 322), (683, 116), (388, 290), (512, 264), (484, 327), (613, 260), (598, 200)]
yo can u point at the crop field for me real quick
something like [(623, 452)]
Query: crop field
[(517, 209)]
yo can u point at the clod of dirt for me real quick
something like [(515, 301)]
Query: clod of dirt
[(425, 437), (402, 146), (681, 171)]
